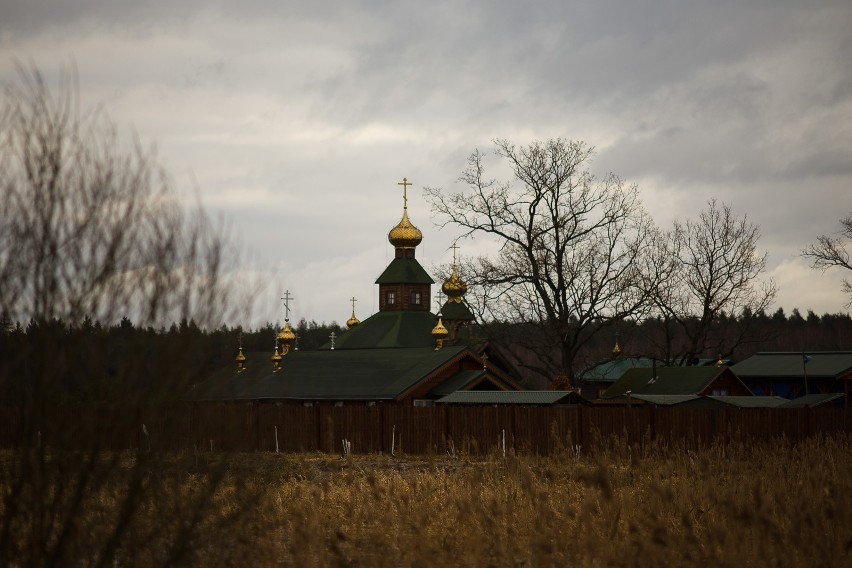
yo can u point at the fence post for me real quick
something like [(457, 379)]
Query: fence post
[(381, 408), (580, 433), (319, 426)]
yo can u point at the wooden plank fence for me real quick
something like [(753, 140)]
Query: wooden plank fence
[(269, 427)]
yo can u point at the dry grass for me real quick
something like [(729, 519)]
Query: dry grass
[(787, 505)]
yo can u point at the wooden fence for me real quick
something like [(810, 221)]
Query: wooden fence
[(246, 427)]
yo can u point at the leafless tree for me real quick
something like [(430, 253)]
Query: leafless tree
[(574, 250), (830, 251), (90, 227), (717, 281)]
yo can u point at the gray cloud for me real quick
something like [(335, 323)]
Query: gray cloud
[(298, 118)]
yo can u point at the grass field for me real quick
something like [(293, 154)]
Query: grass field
[(780, 505)]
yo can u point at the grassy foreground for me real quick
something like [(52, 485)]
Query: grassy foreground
[(787, 505)]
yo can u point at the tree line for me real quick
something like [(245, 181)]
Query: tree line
[(97, 362)]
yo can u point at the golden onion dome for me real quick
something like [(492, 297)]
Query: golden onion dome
[(439, 331), (241, 361), (353, 321), (454, 287), (286, 335), (405, 235)]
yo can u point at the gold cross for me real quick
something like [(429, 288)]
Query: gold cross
[(455, 248), (287, 297), (404, 183), (485, 361), (353, 299)]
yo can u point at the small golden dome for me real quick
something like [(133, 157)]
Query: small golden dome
[(241, 360), (286, 335), (353, 321), (405, 235), (276, 361), (454, 287), (439, 331)]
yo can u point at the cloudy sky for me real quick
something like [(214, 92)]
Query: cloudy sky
[(296, 120)]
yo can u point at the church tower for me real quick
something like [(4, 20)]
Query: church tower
[(404, 285), (455, 312)]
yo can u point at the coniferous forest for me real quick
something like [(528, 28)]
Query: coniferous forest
[(128, 356)]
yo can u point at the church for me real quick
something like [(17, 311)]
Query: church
[(403, 354)]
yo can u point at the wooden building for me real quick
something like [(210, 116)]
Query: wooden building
[(402, 354), (678, 381)]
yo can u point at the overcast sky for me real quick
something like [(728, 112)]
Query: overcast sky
[(296, 120)]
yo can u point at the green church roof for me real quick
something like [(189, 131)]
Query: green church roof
[(404, 271), (391, 329), (456, 311), (357, 374)]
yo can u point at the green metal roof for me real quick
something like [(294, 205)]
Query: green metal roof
[(456, 311), (811, 400), (665, 399), (390, 329), (669, 381), (507, 397), (611, 371), (404, 271), (822, 364), (366, 374), (457, 382), (751, 401)]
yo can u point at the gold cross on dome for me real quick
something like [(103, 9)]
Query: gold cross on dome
[(353, 299), (455, 247), (404, 183), (286, 298)]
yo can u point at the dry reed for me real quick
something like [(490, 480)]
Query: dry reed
[(782, 504)]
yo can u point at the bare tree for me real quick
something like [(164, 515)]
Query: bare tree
[(91, 231), (574, 249), (716, 284), (830, 251)]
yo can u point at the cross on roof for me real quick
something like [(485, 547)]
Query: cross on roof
[(440, 298), (455, 248), (404, 183), (353, 299), (332, 336), (286, 298)]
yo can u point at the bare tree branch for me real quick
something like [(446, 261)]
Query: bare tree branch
[(574, 249), (831, 252)]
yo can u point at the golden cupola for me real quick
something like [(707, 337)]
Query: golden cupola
[(454, 287), (405, 235), (241, 361), (286, 338), (276, 360), (352, 321), (439, 332)]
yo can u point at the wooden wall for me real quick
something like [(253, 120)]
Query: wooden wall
[(372, 429)]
